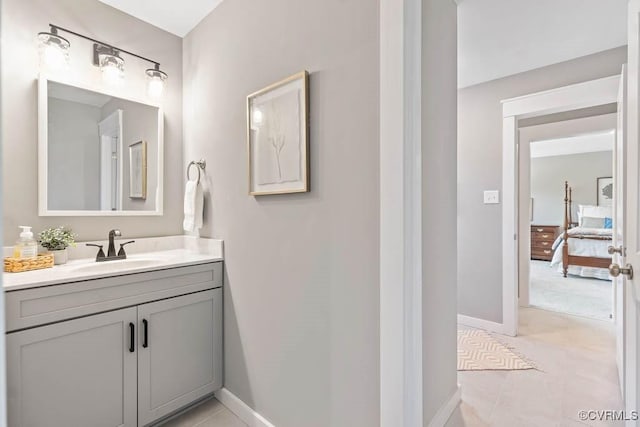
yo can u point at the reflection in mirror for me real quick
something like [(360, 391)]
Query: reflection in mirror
[(88, 158)]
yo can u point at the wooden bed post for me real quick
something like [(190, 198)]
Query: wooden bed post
[(570, 207), (567, 224)]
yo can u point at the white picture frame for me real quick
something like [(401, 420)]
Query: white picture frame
[(278, 137), (138, 170)]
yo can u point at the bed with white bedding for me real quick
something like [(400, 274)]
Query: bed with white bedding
[(584, 247), (583, 250)]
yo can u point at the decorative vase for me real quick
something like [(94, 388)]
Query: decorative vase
[(60, 257)]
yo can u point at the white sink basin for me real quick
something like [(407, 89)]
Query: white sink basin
[(114, 266)]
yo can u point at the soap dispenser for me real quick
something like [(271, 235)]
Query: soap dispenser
[(26, 245)]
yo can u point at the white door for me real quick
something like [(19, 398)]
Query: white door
[(76, 373), (110, 131), (618, 226), (108, 172), (179, 355), (632, 223)]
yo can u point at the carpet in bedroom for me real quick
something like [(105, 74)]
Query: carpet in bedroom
[(573, 295)]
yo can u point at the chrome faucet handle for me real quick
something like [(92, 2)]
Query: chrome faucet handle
[(121, 251), (101, 254)]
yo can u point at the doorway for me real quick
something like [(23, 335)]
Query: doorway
[(516, 208), (110, 132), (566, 167), (587, 95)]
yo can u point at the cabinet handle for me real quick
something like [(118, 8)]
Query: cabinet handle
[(540, 230), (132, 329), (145, 339), (547, 252)]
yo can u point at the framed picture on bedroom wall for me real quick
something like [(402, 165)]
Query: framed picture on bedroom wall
[(605, 191)]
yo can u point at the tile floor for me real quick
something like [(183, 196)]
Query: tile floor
[(210, 413), (577, 371)]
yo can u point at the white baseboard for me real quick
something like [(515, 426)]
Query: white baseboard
[(445, 411), (241, 409), (487, 325)]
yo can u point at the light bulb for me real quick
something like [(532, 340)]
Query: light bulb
[(111, 75), (155, 87), (155, 81), (54, 58), (112, 67), (54, 51)]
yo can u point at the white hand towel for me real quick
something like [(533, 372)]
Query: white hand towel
[(193, 206)]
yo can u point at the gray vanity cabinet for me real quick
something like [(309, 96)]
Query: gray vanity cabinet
[(179, 355), (121, 351), (76, 373)]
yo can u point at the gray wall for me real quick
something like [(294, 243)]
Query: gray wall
[(73, 156), (139, 123), (480, 168), (439, 83), (302, 281), (548, 175), (21, 21)]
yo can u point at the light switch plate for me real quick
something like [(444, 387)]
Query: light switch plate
[(491, 197)]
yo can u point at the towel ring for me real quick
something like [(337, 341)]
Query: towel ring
[(201, 164)]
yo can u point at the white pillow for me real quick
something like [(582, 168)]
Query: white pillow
[(591, 222), (594, 212)]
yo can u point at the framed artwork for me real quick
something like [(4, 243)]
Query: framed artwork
[(138, 170), (278, 137), (605, 191)]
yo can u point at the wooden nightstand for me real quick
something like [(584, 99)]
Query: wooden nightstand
[(542, 238)]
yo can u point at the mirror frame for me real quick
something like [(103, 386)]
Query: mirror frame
[(43, 153)]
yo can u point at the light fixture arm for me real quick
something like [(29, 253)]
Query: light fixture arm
[(98, 44)]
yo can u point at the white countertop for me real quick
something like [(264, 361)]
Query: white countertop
[(187, 251)]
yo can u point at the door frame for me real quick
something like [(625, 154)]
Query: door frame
[(401, 393), (573, 97), (111, 126)]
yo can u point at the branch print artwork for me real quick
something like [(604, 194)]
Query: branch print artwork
[(278, 139)]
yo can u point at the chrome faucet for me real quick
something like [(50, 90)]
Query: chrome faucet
[(111, 251)]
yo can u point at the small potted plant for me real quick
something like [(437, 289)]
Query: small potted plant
[(56, 240)]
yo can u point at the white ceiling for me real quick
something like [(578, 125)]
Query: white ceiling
[(498, 38), (588, 143), (177, 17)]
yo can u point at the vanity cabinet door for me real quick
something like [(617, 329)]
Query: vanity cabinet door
[(179, 352), (76, 373)]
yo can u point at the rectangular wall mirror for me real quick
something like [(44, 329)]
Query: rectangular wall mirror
[(98, 154)]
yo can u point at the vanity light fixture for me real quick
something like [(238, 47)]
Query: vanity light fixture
[(55, 52), (111, 64), (54, 49), (155, 81)]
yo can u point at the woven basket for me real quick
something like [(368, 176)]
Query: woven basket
[(17, 265)]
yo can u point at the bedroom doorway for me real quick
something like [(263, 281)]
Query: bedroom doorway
[(565, 109), (577, 101), (567, 172)]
